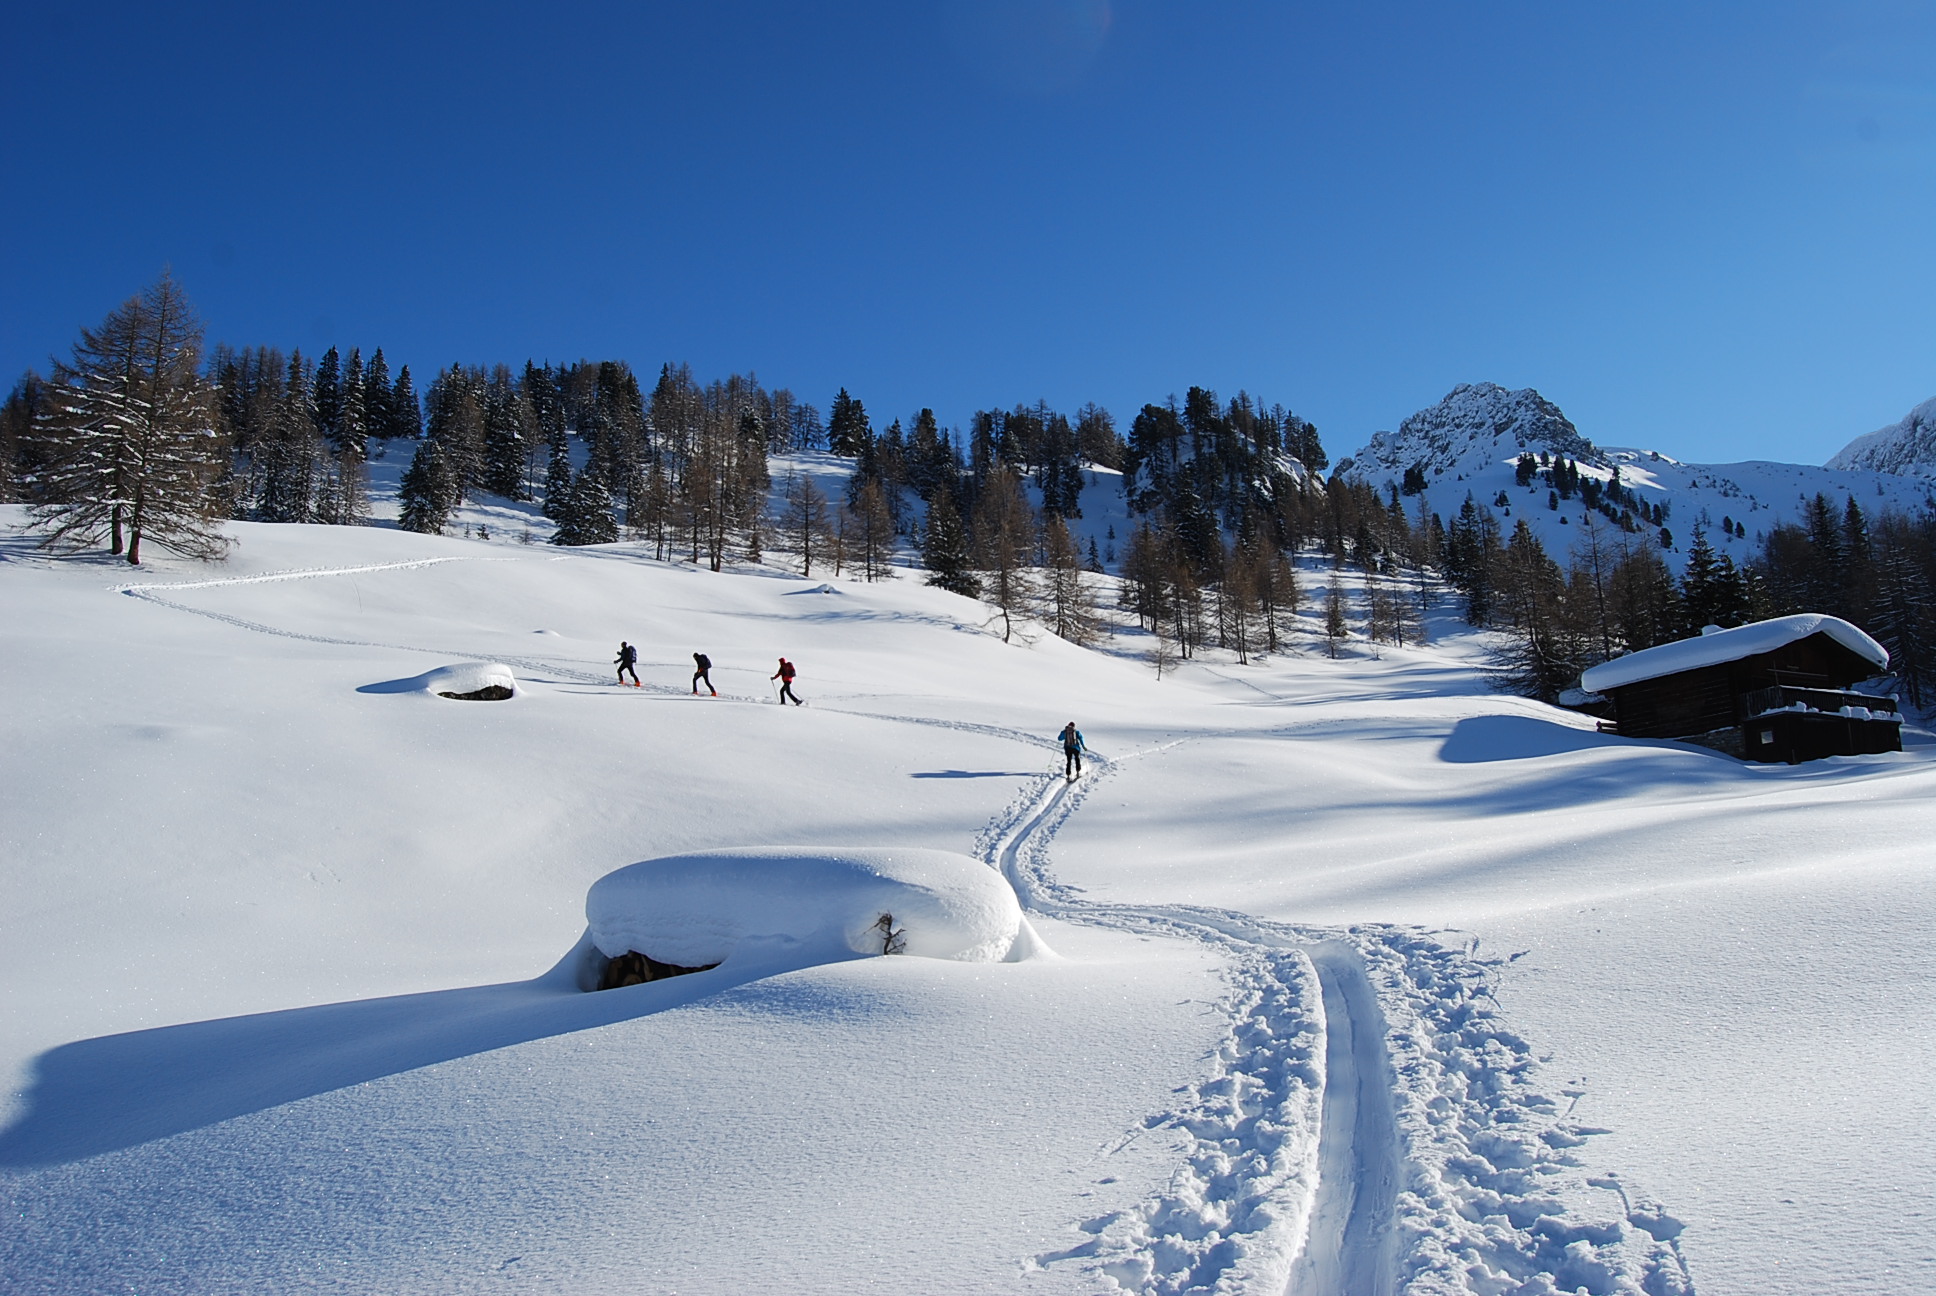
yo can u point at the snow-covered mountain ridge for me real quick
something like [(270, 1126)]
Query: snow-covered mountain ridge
[(1475, 417), (1907, 447), (1469, 444)]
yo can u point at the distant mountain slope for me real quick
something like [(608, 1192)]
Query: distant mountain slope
[(1907, 448), (1469, 443)]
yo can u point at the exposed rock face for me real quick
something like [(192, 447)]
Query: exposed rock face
[(489, 693), (1477, 422), (634, 968), (1907, 448)]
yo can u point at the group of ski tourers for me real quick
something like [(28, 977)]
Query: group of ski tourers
[(628, 659)]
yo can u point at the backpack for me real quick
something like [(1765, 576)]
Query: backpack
[(786, 669), (701, 660)]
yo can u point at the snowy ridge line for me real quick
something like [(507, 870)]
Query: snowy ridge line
[(302, 573), (1443, 1168)]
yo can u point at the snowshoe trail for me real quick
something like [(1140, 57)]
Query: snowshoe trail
[(1369, 1126)]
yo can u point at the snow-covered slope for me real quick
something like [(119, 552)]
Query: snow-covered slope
[(289, 947), (1469, 442), (1907, 448)]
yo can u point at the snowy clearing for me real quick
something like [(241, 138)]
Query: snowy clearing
[(1365, 979)]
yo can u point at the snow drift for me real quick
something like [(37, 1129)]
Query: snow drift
[(696, 910)]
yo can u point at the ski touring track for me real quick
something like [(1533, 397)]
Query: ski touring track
[(534, 666), (1369, 1127)]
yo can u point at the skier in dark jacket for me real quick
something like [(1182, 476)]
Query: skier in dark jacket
[(703, 666), (1072, 750), (785, 675), (627, 656)]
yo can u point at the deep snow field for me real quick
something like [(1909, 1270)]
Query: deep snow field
[(1475, 998)]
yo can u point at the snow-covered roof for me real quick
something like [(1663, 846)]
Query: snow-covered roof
[(1717, 646)]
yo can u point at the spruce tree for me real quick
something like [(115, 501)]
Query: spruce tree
[(18, 450), (847, 429), (326, 398), (290, 452), (353, 427), (557, 482), (505, 437), (589, 520), (379, 417), (428, 492), (406, 418), (946, 552)]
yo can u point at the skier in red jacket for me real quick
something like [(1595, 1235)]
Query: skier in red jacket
[(785, 675)]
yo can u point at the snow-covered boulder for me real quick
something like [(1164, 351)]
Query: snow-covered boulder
[(808, 905), (471, 682)]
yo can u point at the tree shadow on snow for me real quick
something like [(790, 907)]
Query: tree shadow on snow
[(102, 1095)]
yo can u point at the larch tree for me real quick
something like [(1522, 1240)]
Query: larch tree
[(1004, 542), (804, 522), (130, 435), (873, 531), (1336, 628), (1068, 603)]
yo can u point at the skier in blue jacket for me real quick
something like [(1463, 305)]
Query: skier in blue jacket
[(1072, 749)]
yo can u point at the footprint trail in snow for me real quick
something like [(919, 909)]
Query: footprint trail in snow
[(1369, 1127)]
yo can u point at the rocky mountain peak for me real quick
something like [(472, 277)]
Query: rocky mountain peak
[(1476, 419), (1907, 448)]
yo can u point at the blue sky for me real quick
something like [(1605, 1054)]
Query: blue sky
[(1707, 228)]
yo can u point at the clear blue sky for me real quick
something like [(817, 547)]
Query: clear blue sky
[(1709, 228)]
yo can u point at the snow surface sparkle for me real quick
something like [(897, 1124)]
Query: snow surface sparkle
[(289, 957)]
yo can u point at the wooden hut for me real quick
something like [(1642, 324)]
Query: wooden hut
[(1775, 690)]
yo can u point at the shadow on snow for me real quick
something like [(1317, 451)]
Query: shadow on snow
[(102, 1095)]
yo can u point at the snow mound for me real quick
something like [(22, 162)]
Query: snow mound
[(467, 679), (1711, 649), (700, 909)]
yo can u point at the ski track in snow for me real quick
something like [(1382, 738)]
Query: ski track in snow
[(1369, 1127), (532, 665)]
